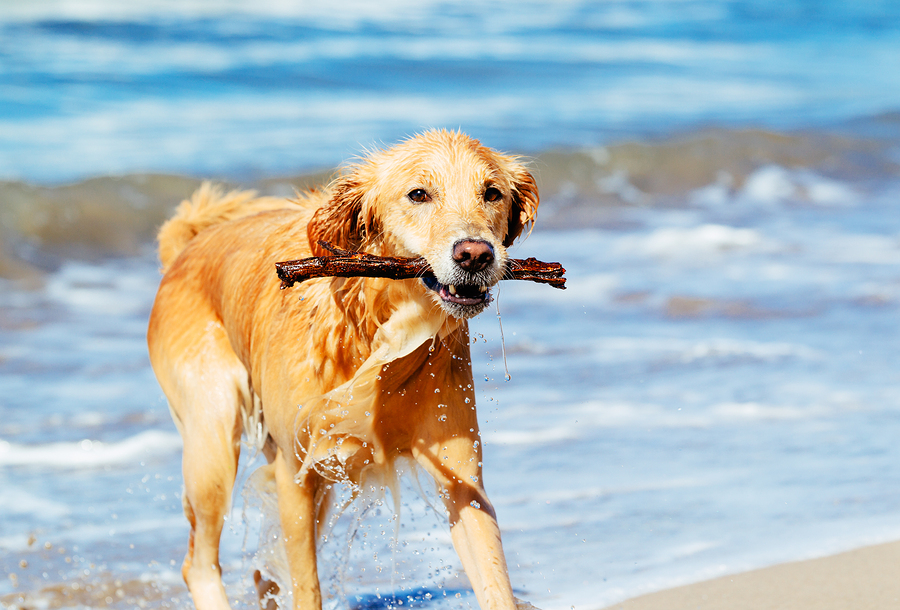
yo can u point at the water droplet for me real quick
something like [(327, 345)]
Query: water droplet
[(473, 504), (442, 417), (437, 390)]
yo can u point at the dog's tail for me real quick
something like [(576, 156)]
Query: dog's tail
[(209, 205)]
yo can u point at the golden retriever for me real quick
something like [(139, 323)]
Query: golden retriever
[(337, 378)]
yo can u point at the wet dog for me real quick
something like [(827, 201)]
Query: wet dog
[(338, 377)]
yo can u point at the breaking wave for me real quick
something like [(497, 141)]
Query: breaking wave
[(90, 453), (712, 168)]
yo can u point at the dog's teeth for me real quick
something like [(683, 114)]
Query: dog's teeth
[(483, 288), (451, 289)]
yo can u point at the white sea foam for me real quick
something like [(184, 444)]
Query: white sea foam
[(752, 411), (271, 126), (94, 288), (769, 185), (532, 437), (827, 192), (91, 453), (773, 184), (572, 422), (686, 242), (580, 289), (717, 349), (858, 248), (18, 502), (344, 13), (105, 55), (583, 494), (619, 349)]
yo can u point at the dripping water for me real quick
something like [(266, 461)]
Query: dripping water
[(506, 374)]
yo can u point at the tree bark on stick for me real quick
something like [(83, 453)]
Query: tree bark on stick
[(344, 263)]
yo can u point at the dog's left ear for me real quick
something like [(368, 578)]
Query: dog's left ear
[(525, 200), (343, 221)]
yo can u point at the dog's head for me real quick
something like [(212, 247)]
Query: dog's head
[(440, 195)]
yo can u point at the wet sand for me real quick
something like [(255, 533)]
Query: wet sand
[(862, 579)]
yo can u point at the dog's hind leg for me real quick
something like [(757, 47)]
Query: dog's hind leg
[(297, 509), (267, 590), (209, 466), (206, 386)]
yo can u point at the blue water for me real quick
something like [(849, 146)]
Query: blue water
[(240, 90), (716, 391)]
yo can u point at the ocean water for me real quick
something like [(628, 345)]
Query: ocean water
[(717, 389), (232, 88)]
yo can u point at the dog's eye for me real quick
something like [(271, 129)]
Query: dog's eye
[(418, 196), (492, 194)]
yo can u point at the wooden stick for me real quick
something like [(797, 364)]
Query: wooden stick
[(344, 263)]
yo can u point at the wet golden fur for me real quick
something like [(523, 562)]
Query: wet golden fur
[(335, 378)]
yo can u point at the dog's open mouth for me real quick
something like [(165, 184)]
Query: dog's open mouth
[(459, 294)]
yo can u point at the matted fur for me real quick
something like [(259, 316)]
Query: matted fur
[(335, 377)]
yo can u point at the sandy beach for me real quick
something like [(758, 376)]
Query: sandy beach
[(861, 579)]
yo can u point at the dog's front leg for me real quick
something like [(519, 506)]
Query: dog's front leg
[(448, 446), (297, 510), (476, 537), (473, 524)]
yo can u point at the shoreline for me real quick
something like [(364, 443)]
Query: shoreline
[(863, 578)]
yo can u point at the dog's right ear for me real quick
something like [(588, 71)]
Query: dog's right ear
[(341, 221)]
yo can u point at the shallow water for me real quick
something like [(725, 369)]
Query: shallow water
[(715, 391)]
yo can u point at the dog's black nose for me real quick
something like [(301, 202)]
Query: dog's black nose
[(473, 255)]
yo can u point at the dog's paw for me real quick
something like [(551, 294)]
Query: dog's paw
[(523, 605)]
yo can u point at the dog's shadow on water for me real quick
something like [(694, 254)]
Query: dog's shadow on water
[(420, 598)]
